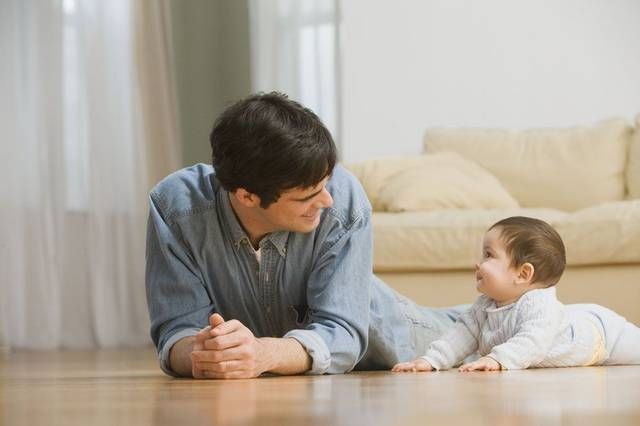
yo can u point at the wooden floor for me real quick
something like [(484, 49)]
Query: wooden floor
[(127, 388)]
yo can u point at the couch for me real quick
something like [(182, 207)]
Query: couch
[(432, 209)]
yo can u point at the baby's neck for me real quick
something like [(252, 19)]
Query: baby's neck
[(528, 288)]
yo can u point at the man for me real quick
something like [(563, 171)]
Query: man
[(263, 262)]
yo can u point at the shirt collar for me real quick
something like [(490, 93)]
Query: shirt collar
[(277, 239)]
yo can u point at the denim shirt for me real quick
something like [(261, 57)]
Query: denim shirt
[(316, 287)]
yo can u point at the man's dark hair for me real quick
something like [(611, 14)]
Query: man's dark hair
[(267, 144), (534, 241)]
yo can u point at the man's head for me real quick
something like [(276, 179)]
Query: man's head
[(275, 157), (267, 144)]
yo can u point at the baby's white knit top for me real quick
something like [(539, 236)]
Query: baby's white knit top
[(534, 331)]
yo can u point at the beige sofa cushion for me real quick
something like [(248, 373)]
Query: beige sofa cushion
[(440, 240), (443, 181), (633, 165), (373, 173), (607, 233), (566, 169), (437, 240)]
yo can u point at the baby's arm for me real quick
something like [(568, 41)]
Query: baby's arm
[(537, 326), (456, 344)]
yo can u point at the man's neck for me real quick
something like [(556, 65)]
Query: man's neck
[(251, 225)]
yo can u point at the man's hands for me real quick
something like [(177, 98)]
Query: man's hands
[(416, 365), (227, 350), (483, 364)]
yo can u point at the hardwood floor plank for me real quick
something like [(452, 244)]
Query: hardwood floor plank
[(127, 387)]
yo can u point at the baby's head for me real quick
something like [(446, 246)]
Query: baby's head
[(519, 254)]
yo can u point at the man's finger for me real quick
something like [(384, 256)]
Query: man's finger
[(226, 341), (226, 328), (222, 367), (215, 320), (213, 356), (203, 334)]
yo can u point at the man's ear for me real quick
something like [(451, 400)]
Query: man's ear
[(246, 198), (525, 274)]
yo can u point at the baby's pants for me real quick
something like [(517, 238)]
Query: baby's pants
[(622, 338)]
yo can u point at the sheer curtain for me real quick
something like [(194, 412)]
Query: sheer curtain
[(88, 125), (294, 49)]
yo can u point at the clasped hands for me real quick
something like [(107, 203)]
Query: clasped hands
[(226, 350), (483, 364)]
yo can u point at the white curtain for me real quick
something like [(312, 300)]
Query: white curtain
[(87, 125), (294, 49)]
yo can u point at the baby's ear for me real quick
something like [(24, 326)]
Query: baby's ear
[(525, 273)]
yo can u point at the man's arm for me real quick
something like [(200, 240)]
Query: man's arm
[(228, 350), (285, 356), (178, 302), (180, 356)]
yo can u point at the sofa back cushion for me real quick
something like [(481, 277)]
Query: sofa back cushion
[(373, 173), (633, 165), (566, 169), (444, 181)]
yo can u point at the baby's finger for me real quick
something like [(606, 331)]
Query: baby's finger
[(403, 366), (467, 367)]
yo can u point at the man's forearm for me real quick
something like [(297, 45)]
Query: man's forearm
[(284, 356), (180, 356)]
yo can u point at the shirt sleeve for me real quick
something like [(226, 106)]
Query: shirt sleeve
[(338, 295), (179, 305), (537, 325), (459, 341)]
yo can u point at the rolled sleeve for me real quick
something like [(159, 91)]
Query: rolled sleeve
[(315, 347)]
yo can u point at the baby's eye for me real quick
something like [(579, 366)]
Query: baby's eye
[(487, 254)]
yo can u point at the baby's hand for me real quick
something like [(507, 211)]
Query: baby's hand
[(412, 366), (483, 364)]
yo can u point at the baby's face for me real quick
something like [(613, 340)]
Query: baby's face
[(495, 276)]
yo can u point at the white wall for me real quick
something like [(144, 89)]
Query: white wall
[(409, 65), (211, 54)]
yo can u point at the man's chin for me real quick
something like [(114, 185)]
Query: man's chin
[(305, 226)]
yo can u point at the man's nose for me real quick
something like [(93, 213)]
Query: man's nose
[(325, 200)]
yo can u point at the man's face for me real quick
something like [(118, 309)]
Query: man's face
[(298, 209)]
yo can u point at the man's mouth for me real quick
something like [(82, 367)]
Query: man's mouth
[(312, 216)]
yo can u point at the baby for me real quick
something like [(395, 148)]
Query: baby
[(518, 322)]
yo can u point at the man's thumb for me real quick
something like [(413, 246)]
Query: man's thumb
[(215, 320)]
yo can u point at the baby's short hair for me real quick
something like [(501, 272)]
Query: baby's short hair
[(529, 240)]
